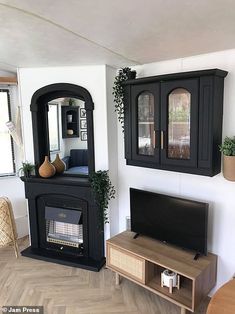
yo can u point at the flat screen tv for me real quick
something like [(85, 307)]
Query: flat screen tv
[(174, 220)]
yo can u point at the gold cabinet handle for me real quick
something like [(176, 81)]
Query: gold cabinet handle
[(162, 139)]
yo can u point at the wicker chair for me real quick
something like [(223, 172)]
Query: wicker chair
[(8, 233)]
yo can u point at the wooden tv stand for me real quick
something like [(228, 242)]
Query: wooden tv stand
[(143, 259)]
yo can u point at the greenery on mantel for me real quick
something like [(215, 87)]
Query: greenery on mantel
[(26, 169), (104, 191), (118, 92), (228, 146)]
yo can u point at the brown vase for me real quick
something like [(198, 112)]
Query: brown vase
[(58, 164), (229, 168), (47, 170)]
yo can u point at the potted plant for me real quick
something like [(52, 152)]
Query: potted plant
[(118, 92), (131, 74), (71, 102), (228, 150), (26, 169), (104, 191)]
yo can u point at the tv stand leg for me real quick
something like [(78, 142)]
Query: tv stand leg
[(117, 279), (183, 311)]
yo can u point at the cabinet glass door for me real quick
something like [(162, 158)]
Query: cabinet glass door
[(145, 122), (146, 133), (179, 108), (179, 119)]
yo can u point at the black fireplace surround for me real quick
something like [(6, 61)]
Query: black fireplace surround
[(63, 214), (67, 201)]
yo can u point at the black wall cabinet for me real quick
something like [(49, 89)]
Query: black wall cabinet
[(174, 122)]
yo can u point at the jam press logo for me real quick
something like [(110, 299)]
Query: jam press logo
[(22, 309)]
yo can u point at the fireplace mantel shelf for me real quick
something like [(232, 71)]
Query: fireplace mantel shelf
[(60, 180)]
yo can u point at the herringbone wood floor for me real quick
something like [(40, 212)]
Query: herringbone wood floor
[(67, 290)]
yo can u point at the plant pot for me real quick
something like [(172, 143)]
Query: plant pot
[(229, 168), (47, 170), (70, 132), (27, 173), (131, 75), (58, 164)]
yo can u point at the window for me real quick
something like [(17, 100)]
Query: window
[(7, 165), (53, 125)]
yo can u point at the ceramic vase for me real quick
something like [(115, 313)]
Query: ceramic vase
[(229, 168), (58, 164), (47, 170)]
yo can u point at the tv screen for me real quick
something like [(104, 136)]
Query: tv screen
[(174, 220)]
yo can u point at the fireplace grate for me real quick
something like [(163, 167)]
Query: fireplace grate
[(64, 233)]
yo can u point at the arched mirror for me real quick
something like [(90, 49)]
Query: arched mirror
[(62, 116)]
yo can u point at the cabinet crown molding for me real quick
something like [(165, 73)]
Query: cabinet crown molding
[(177, 76)]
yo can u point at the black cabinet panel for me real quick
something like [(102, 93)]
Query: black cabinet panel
[(217, 110), (205, 122), (174, 122)]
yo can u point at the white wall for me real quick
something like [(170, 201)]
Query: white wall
[(12, 187), (112, 149), (216, 190)]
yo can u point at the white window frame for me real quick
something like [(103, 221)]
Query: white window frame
[(58, 127), (7, 90)]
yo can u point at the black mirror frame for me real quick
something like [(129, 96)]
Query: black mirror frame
[(39, 110)]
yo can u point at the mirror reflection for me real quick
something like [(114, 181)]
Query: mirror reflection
[(67, 126)]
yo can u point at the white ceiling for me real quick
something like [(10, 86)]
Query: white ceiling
[(115, 32)]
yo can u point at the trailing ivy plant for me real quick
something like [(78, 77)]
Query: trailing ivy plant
[(118, 93), (104, 191), (228, 146)]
